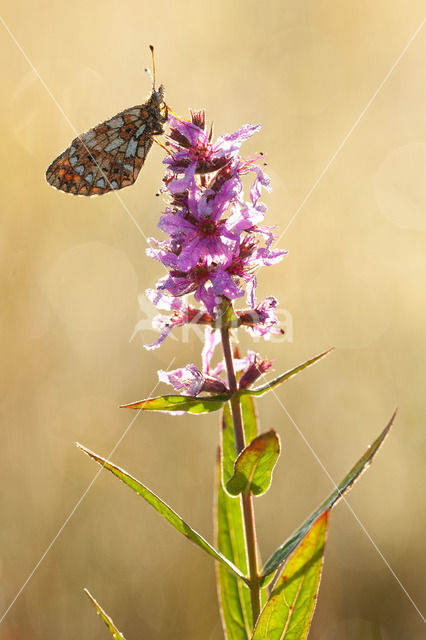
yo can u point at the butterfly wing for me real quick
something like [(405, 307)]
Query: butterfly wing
[(107, 157)]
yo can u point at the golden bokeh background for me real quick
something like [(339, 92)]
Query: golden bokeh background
[(72, 269)]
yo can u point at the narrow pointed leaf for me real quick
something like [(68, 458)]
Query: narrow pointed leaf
[(259, 391), (183, 404), (105, 617), (254, 466), (234, 595), (164, 510), (281, 554), (172, 403), (288, 613)]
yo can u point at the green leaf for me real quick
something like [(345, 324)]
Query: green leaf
[(281, 554), (164, 510), (254, 466), (234, 596), (288, 613), (259, 391), (109, 623), (229, 452), (189, 404)]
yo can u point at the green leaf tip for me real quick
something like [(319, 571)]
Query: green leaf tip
[(105, 617), (164, 510), (180, 404), (254, 466), (259, 391), (288, 612), (282, 553)]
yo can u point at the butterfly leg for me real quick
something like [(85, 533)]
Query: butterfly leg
[(160, 144)]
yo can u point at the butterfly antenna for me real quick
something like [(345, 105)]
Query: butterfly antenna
[(153, 65), (148, 71)]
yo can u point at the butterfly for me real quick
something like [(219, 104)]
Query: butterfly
[(109, 156)]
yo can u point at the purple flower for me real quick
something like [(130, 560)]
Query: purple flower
[(192, 381), (193, 151), (255, 368), (262, 319), (182, 314), (205, 237), (188, 379)]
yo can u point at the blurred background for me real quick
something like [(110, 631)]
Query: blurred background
[(72, 269)]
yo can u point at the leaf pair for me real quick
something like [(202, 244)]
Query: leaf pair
[(207, 404), (297, 563)]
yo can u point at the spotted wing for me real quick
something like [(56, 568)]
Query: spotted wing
[(105, 158)]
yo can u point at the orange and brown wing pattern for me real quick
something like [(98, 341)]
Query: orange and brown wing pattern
[(109, 156)]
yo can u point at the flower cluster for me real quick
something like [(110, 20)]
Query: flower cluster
[(215, 238), (191, 381)]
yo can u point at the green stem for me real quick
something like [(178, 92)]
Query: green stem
[(246, 499)]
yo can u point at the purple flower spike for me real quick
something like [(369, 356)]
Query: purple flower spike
[(216, 238)]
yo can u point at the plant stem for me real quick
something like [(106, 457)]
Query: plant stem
[(246, 499)]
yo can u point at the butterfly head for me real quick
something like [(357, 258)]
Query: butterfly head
[(158, 94), (159, 105)]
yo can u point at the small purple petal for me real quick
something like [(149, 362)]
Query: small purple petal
[(179, 185), (190, 131), (164, 301), (224, 285), (211, 339), (230, 143), (165, 332), (251, 288), (189, 379)]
